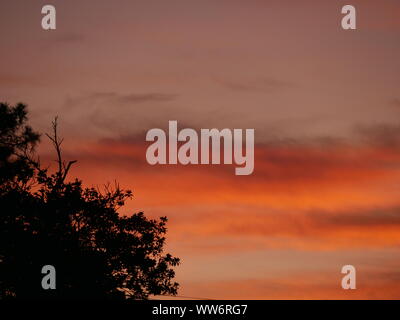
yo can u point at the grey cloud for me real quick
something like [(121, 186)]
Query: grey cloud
[(362, 218), (255, 85), (396, 102), (121, 99), (146, 97), (383, 135), (18, 80)]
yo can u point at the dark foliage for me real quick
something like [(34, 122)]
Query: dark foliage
[(45, 220)]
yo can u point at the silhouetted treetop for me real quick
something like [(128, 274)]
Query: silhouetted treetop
[(17, 141), (98, 254)]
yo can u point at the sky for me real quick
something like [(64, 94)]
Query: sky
[(324, 103)]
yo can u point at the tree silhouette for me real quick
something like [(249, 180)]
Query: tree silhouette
[(46, 220), (17, 141)]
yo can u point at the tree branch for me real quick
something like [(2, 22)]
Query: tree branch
[(62, 168)]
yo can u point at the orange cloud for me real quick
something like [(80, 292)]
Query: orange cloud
[(299, 286), (304, 196)]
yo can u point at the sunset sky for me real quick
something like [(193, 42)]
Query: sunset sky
[(324, 103)]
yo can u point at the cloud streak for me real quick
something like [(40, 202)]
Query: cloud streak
[(118, 99), (255, 85), (324, 196)]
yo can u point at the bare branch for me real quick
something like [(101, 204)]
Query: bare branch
[(57, 142)]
